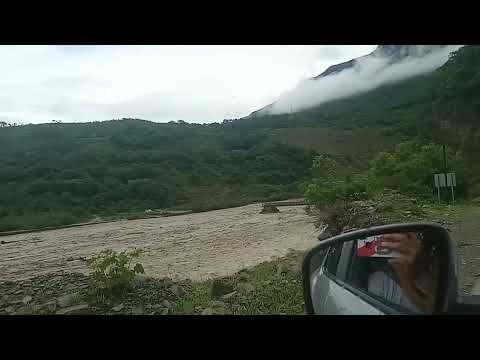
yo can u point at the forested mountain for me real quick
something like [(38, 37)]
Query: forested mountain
[(60, 173)]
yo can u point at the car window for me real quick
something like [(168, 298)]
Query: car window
[(333, 258), (373, 275)]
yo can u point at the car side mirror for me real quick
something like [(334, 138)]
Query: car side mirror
[(392, 269)]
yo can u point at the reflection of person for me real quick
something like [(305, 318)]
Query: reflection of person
[(415, 273)]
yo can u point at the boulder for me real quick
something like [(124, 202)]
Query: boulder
[(26, 299), (269, 209)]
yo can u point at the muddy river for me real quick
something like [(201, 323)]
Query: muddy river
[(196, 246)]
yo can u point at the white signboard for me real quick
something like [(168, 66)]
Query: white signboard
[(444, 180), (440, 180), (451, 181)]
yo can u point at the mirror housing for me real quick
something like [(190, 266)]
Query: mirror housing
[(446, 297)]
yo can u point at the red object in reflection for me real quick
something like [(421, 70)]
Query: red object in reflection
[(368, 249)]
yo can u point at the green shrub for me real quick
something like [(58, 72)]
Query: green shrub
[(112, 273)]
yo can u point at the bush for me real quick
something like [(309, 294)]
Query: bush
[(330, 187), (112, 273)]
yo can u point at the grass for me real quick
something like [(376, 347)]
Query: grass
[(270, 288)]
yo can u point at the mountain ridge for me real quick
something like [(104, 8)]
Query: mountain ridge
[(393, 54)]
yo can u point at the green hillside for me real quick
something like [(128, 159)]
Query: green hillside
[(57, 173)]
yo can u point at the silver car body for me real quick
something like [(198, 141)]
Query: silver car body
[(330, 298)]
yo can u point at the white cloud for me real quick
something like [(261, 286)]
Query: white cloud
[(367, 74), (159, 83)]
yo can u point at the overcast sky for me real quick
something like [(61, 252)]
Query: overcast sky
[(159, 83)]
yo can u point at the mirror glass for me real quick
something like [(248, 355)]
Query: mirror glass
[(400, 270)]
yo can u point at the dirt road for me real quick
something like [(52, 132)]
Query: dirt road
[(195, 246), (466, 233)]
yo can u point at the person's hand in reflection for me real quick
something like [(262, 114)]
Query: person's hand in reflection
[(416, 268)]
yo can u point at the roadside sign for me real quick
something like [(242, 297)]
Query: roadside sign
[(451, 181), (445, 180), (441, 180)]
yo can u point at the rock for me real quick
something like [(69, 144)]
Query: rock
[(207, 311), (177, 290), (229, 295), (165, 311), (49, 307), (246, 288), (26, 299), (220, 288), (70, 258), (81, 309), (281, 269), (10, 310), (166, 303), (219, 308), (269, 209), (68, 300), (118, 307), (218, 304), (18, 292)]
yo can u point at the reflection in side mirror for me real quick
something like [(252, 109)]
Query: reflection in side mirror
[(394, 269)]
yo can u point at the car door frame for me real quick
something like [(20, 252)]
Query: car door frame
[(344, 267)]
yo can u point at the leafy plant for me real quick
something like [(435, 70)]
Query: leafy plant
[(330, 186), (113, 273)]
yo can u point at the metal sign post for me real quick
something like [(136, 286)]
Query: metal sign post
[(437, 185), (451, 181)]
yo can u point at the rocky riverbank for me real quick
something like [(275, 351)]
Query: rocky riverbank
[(71, 294), (272, 287)]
